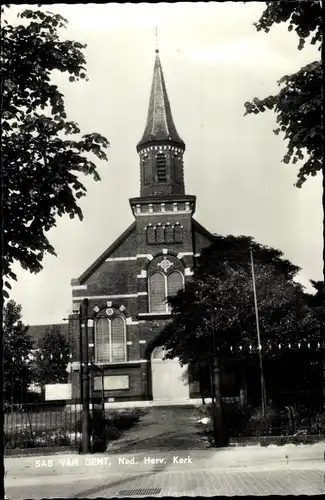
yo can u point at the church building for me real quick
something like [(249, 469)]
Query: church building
[(128, 284)]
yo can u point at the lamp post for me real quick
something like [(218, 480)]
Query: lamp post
[(85, 376), (263, 390)]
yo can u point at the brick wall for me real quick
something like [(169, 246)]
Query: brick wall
[(201, 237), (122, 278), (184, 219)]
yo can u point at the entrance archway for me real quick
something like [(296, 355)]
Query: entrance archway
[(169, 378)]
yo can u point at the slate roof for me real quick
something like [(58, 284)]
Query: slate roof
[(160, 124), (95, 265)]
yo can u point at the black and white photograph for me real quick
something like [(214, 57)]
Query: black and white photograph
[(162, 249)]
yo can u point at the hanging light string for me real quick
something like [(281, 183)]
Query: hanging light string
[(269, 346)]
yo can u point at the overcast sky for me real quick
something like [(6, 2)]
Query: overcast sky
[(214, 61)]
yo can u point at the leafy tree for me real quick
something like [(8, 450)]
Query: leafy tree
[(316, 303), (299, 103), (43, 152), (51, 358), (17, 348), (222, 288), (220, 298), (317, 299)]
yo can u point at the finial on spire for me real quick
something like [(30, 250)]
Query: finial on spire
[(157, 50)]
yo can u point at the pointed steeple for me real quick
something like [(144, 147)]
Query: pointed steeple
[(160, 127)]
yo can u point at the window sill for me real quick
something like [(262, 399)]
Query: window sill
[(154, 314), (108, 364)]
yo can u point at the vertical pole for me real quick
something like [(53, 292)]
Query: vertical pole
[(92, 388), (263, 391), (80, 356), (218, 429), (103, 394), (85, 379)]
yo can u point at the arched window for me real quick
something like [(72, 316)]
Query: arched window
[(151, 238), (178, 169), (169, 234), (161, 168), (110, 341), (157, 293), (161, 287), (102, 341), (118, 340), (160, 234), (174, 283), (146, 171), (178, 233)]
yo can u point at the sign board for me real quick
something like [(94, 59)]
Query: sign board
[(54, 392), (112, 382)]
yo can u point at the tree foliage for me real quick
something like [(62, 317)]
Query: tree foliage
[(299, 103), (222, 291), (51, 358), (316, 303), (44, 154), (17, 348)]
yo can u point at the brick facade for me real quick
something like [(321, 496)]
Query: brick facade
[(114, 278), (163, 233)]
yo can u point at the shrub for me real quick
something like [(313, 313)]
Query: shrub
[(318, 424), (108, 427), (235, 417), (24, 438), (275, 422)]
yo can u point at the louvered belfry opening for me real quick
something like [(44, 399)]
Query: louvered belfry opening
[(110, 341), (161, 168)]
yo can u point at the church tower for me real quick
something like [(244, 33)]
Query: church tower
[(161, 149), (163, 211), (128, 286)]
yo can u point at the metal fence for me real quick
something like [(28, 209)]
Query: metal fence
[(33, 425)]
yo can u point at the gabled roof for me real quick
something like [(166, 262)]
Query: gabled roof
[(160, 124), (201, 229), (91, 269)]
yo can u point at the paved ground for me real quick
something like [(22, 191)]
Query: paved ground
[(165, 452), (288, 470), (175, 483), (166, 428)]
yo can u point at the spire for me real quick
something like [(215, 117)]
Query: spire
[(160, 127)]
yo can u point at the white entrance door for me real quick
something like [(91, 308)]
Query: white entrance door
[(169, 379)]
